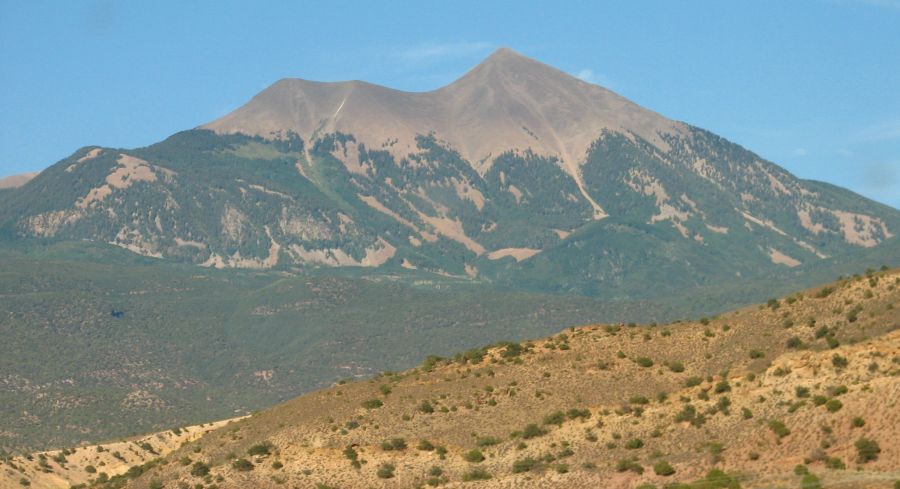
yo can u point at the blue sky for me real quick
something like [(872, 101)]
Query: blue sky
[(813, 85)]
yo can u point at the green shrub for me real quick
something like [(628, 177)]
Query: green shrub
[(663, 468), (477, 474), (425, 445), (629, 464), (372, 404), (486, 441), (717, 478), (834, 463), (351, 454), (260, 449), (512, 350), (277, 465), (756, 354), (810, 481), (575, 413), (779, 428), (242, 465), (393, 444), (385, 471), (722, 387), (689, 414), (634, 444), (824, 292), (644, 362), (425, 407), (858, 422), (199, 469), (692, 381), (556, 418), (839, 361), (430, 362), (532, 431), (794, 342), (833, 405), (473, 456), (523, 465), (676, 367), (90, 469), (867, 450)]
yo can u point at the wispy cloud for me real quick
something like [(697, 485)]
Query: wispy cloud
[(589, 76), (432, 52), (884, 131), (800, 152)]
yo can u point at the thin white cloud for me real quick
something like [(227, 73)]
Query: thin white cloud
[(885, 131), (589, 76), (800, 152), (431, 52)]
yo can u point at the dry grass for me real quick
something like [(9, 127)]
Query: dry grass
[(599, 372), (49, 470)]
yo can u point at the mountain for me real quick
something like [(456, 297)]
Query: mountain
[(798, 392), (243, 263), (14, 181), (516, 174)]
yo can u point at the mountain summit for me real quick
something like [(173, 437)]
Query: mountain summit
[(508, 102), (516, 173)]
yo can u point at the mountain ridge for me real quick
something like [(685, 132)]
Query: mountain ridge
[(488, 178), (498, 93)]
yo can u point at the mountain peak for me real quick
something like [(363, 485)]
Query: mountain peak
[(505, 63), (506, 102), (504, 54)]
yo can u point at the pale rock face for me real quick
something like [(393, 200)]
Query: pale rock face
[(508, 102), (16, 181)]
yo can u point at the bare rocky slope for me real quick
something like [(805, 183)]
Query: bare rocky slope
[(796, 392)]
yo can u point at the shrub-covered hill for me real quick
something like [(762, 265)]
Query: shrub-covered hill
[(91, 329), (101, 343), (797, 390)]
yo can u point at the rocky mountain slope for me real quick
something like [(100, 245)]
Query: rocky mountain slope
[(800, 390), (516, 174), (14, 181)]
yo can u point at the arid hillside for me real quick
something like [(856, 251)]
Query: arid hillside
[(803, 388), (60, 469)]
